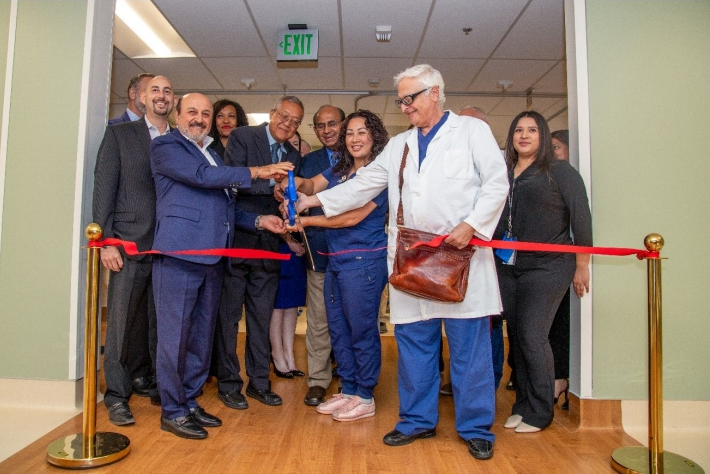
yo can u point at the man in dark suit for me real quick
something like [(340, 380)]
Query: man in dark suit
[(254, 282), (327, 122), (135, 109), (124, 207), (194, 210)]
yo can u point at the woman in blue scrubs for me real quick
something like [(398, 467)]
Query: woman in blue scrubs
[(356, 272)]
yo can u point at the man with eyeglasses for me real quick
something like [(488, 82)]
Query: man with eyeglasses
[(327, 122), (455, 183), (253, 283)]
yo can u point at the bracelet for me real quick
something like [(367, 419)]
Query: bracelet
[(256, 173)]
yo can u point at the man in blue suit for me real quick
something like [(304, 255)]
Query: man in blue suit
[(327, 122), (135, 109), (194, 210)]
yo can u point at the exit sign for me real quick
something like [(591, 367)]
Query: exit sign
[(297, 45)]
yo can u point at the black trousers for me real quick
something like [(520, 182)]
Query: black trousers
[(531, 297), (253, 286), (131, 332)]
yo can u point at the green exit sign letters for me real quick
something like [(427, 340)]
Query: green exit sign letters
[(297, 45)]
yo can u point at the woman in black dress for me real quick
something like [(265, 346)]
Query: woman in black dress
[(547, 199), (227, 116)]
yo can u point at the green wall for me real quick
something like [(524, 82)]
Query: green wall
[(38, 219), (649, 86)]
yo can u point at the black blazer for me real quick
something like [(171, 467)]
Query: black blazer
[(249, 146), (124, 194)]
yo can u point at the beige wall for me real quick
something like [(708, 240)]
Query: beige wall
[(649, 89)]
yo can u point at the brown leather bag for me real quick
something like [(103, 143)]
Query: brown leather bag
[(435, 273)]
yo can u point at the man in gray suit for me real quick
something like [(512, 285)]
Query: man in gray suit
[(124, 206)]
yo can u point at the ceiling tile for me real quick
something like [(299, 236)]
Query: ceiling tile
[(122, 72), (522, 73), (217, 28), (230, 72), (457, 73), (488, 20), (539, 34), (554, 80), (186, 74)]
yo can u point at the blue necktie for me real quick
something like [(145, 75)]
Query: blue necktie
[(275, 152)]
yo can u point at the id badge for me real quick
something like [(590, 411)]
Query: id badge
[(507, 256)]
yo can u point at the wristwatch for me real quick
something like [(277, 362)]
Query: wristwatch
[(257, 223)]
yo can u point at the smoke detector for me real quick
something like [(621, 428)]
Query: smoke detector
[(383, 33)]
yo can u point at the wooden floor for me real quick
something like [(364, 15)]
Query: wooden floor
[(293, 438)]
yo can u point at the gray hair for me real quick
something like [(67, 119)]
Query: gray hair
[(476, 112), (427, 76), (289, 98)]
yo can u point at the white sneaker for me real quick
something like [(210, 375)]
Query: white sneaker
[(332, 404), (354, 410), (525, 428)]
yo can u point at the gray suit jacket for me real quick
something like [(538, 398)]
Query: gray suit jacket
[(249, 146), (124, 192)]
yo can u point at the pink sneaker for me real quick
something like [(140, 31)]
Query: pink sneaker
[(354, 410), (332, 404)]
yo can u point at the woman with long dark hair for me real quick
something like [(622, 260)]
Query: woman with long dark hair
[(356, 272), (547, 199)]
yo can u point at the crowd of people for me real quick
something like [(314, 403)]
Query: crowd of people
[(215, 182)]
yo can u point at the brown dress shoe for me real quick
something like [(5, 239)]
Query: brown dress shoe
[(315, 396)]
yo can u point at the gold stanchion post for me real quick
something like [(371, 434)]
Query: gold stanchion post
[(89, 448), (653, 460)]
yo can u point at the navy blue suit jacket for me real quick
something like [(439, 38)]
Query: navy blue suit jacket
[(312, 165), (124, 117), (193, 211)]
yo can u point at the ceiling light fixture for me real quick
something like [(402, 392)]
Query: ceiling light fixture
[(467, 30), (374, 81), (248, 82), (505, 84), (383, 33), (140, 28)]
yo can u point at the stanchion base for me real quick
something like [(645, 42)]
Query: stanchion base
[(634, 460), (68, 453)]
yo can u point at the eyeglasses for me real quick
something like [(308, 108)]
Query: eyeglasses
[(284, 118), (323, 125), (409, 99)]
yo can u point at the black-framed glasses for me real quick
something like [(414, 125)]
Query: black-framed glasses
[(409, 99)]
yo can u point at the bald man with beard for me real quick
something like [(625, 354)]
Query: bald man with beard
[(194, 210)]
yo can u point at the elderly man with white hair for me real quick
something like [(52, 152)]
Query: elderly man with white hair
[(455, 183)]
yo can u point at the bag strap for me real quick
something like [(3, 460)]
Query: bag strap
[(400, 217)]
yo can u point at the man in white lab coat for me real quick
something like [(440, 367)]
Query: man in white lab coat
[(455, 182)]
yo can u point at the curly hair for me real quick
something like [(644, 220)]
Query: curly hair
[(545, 154), (242, 120), (379, 135)]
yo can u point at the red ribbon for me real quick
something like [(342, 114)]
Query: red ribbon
[(131, 249), (540, 247)]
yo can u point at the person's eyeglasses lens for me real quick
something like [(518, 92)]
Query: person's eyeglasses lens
[(409, 99), (322, 126), (288, 120)]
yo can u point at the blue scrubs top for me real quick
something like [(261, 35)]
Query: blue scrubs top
[(368, 234)]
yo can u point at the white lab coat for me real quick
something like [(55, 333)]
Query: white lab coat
[(462, 178)]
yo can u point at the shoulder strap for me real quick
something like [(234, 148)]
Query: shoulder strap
[(400, 217)]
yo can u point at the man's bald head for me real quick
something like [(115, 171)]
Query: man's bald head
[(474, 112)]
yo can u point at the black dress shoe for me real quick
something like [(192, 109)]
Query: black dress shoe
[(183, 427), (155, 400), (204, 419), (234, 400), (297, 373), (120, 415), (283, 375), (397, 438), (446, 390), (141, 386), (480, 448), (266, 396), (315, 396)]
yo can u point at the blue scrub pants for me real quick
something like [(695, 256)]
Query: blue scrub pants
[(471, 376), (352, 302)]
